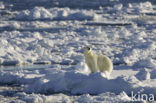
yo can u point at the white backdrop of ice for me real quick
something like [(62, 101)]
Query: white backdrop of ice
[(38, 36), (56, 14), (31, 47)]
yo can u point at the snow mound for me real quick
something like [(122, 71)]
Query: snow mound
[(140, 57), (10, 78), (55, 79), (38, 98), (74, 82), (55, 98), (2, 6), (70, 81), (18, 77), (153, 76), (36, 13), (25, 48), (143, 7), (40, 13), (118, 7), (143, 74), (134, 8)]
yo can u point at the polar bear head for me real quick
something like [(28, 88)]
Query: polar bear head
[(87, 50)]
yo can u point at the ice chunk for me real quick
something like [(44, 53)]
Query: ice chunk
[(2, 6), (143, 74), (56, 14)]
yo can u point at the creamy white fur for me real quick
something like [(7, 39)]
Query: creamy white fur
[(97, 62)]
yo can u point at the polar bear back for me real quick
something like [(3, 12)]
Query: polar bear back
[(104, 63)]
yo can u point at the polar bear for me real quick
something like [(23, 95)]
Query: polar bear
[(97, 62)]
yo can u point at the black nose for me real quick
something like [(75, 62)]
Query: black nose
[(88, 48)]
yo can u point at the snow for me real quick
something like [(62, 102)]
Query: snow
[(143, 75), (142, 7), (2, 6), (55, 14), (41, 50), (33, 98)]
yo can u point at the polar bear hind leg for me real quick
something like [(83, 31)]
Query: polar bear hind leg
[(104, 63)]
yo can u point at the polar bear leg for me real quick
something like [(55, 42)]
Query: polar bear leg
[(92, 64), (106, 74)]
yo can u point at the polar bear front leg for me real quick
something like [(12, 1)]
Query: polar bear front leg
[(91, 66), (94, 64)]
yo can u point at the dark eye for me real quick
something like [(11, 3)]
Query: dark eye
[(88, 48)]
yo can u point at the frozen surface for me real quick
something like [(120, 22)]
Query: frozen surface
[(41, 50), (55, 14)]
